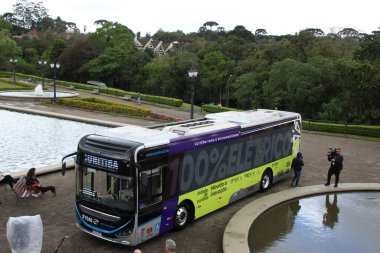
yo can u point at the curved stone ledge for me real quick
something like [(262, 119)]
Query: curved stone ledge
[(235, 237)]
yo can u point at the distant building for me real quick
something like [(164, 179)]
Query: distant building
[(158, 47)]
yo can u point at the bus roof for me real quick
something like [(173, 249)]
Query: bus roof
[(212, 123), (148, 137), (253, 117)]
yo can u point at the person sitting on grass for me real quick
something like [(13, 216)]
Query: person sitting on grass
[(32, 182)]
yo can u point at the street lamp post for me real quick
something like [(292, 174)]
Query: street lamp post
[(13, 62), (42, 66), (54, 67), (193, 75), (228, 90)]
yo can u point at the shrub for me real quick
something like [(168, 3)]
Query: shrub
[(362, 130), (215, 108), (96, 104)]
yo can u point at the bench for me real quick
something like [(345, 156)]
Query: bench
[(126, 97), (95, 91)]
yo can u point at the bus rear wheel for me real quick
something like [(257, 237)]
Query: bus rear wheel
[(266, 181), (183, 216)]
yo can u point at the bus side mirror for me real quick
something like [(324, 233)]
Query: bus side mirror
[(144, 179), (63, 169)]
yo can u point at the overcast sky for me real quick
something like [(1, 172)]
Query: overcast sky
[(278, 17)]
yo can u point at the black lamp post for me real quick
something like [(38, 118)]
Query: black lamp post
[(13, 62), (54, 67), (193, 75), (42, 66), (228, 90)]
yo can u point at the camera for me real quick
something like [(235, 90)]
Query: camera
[(331, 154)]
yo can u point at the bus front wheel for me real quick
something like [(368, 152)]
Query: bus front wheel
[(183, 216), (266, 181)]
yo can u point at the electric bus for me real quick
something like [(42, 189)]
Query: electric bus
[(134, 183)]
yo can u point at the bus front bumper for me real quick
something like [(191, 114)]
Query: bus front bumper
[(127, 240)]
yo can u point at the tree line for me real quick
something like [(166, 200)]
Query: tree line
[(330, 77)]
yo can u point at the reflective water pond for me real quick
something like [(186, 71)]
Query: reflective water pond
[(343, 222), (35, 141)]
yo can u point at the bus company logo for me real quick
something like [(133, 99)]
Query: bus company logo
[(91, 220)]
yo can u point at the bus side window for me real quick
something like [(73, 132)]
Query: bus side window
[(150, 187)]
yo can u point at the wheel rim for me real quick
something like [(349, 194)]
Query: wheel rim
[(181, 216), (265, 181)]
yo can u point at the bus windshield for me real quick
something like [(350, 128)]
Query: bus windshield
[(106, 188)]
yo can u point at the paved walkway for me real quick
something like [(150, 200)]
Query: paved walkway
[(362, 165)]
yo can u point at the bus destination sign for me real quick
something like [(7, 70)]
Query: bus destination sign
[(101, 162)]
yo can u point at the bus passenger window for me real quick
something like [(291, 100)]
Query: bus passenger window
[(150, 191)]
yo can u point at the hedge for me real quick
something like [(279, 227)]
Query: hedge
[(362, 130), (215, 108), (120, 93), (96, 104)]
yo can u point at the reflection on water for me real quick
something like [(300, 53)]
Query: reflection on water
[(343, 222), (36, 141), (331, 215)]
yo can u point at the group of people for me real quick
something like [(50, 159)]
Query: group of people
[(336, 166), (170, 247), (31, 182)]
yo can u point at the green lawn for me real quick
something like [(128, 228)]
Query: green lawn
[(4, 85)]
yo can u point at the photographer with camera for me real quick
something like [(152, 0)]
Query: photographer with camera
[(336, 166)]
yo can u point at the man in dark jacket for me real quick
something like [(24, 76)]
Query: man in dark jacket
[(297, 164), (335, 167)]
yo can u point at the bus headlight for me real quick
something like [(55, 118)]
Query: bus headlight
[(124, 233)]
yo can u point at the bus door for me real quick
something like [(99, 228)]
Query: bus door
[(149, 200)]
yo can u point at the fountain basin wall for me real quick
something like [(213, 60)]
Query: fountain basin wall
[(32, 96), (235, 238)]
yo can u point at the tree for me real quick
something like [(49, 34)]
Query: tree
[(27, 14), (117, 43), (5, 25), (369, 50), (8, 48), (248, 92), (360, 91), (160, 77), (241, 32), (348, 32), (316, 31), (210, 24), (260, 32), (295, 86), (75, 57), (215, 68)]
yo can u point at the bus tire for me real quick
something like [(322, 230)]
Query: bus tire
[(266, 181), (183, 215)]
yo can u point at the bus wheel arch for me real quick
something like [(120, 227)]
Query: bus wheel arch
[(184, 214), (266, 180)]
